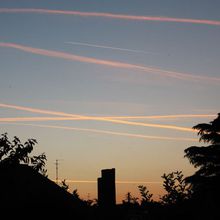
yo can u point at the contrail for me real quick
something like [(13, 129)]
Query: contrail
[(86, 118), (164, 116), (108, 47), (22, 119), (108, 132), (69, 116), (36, 110), (110, 15), (113, 120), (72, 57)]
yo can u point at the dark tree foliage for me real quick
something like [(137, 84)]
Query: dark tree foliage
[(84, 203), (206, 158), (92, 202), (178, 190), (64, 185), (75, 194), (146, 196), (14, 153), (129, 199)]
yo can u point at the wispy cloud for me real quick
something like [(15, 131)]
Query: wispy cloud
[(164, 116), (156, 117), (22, 119), (82, 117), (40, 111), (77, 116), (72, 57), (110, 15), (131, 135), (108, 47)]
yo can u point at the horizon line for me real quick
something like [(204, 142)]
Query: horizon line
[(116, 181)]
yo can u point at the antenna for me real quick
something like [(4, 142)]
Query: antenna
[(57, 164), (57, 167)]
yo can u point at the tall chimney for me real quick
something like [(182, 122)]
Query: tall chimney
[(106, 189)]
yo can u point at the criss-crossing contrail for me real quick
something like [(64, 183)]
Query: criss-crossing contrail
[(23, 119), (116, 121), (131, 135), (115, 64), (68, 116), (108, 47), (111, 16)]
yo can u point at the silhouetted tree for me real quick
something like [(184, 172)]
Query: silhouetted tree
[(75, 194), (89, 202), (14, 153), (176, 187), (146, 196), (206, 158), (92, 202), (85, 203), (64, 185), (76, 198), (129, 199), (38, 163)]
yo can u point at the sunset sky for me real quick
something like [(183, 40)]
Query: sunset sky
[(110, 84)]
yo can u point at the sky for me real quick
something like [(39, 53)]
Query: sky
[(109, 84)]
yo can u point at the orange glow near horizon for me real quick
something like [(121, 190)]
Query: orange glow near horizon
[(117, 181), (122, 187)]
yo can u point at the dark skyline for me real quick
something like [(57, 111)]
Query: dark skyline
[(84, 79)]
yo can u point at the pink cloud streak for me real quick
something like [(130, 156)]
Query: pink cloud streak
[(80, 117), (21, 119), (106, 132), (72, 57), (110, 15)]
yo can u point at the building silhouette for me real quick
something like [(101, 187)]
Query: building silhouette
[(106, 189)]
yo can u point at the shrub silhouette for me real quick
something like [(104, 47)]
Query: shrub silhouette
[(14, 153), (206, 158), (176, 187), (146, 196)]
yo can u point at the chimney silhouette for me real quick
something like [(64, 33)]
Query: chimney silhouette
[(106, 189)]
